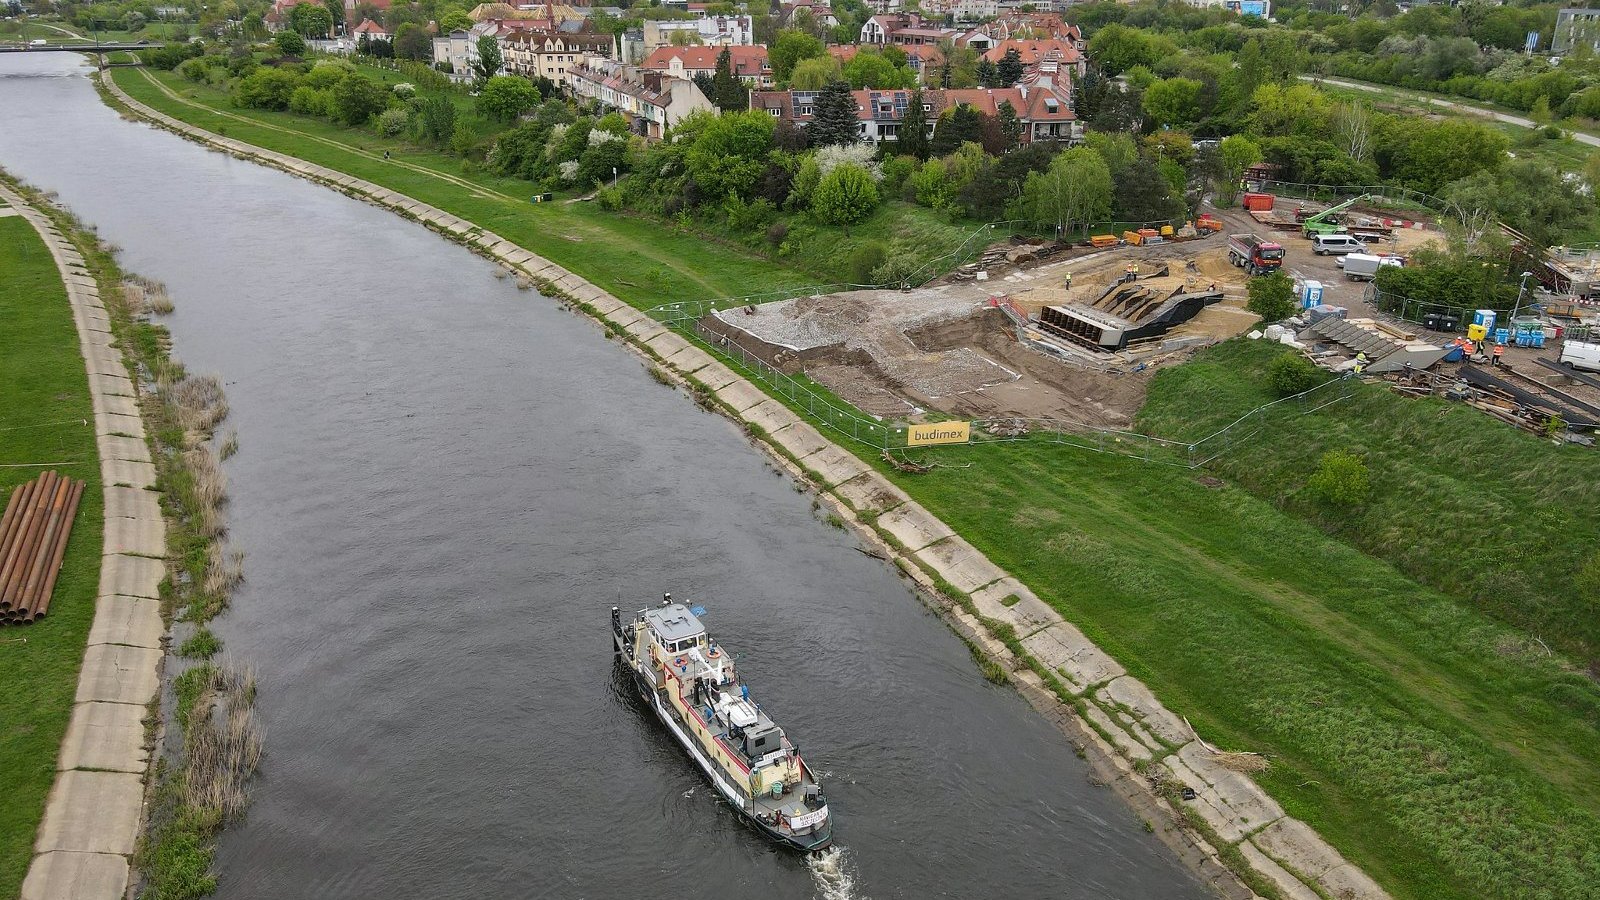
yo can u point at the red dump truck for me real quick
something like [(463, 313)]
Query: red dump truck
[(1254, 255)]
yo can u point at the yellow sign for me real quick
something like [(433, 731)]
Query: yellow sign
[(939, 433)]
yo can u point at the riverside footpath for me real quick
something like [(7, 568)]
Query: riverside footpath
[(1129, 734), (92, 817)]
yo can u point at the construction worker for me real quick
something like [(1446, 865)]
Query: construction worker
[(1136, 270), (1069, 281), (1499, 351), (1361, 363)]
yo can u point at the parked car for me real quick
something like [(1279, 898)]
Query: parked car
[(37, 42), (1335, 245), (1581, 355)]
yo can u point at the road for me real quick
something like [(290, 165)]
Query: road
[(1468, 108)]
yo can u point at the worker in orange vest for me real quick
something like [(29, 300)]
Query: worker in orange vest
[(1499, 351)]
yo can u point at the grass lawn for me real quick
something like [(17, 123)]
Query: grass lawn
[(45, 395), (1446, 754), (1441, 751), (642, 261)]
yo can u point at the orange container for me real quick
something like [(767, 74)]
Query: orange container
[(1259, 202)]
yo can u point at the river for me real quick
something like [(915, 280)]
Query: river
[(443, 486)]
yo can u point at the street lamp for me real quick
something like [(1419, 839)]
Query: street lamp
[(1521, 289)]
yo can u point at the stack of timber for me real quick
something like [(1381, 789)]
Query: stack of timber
[(33, 540)]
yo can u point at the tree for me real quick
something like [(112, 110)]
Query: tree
[(730, 152), (1143, 194), (357, 98), (1173, 101), (1341, 479), (727, 90), (505, 97), (1009, 70), (1297, 109), (266, 88), (456, 20), (1271, 297), (1352, 127), (1119, 48), (815, 74), (435, 119), (684, 38), (1010, 126), (489, 60), (1235, 154), (792, 46), (913, 136), (289, 43), (988, 75), (1292, 374), (1074, 191), (1527, 195), (411, 42), (833, 119), (962, 124), (869, 69), (336, 10), (311, 20), (845, 196)]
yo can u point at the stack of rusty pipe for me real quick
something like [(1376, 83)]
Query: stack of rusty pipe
[(33, 540)]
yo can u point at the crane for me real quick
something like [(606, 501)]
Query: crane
[(1327, 221)]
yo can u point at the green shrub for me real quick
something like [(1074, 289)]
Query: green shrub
[(897, 269), (1271, 297), (609, 198), (866, 260), (266, 88), (392, 122), (1292, 374), (1341, 479)]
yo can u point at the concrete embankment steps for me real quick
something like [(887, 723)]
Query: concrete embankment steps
[(91, 820), (1129, 724)]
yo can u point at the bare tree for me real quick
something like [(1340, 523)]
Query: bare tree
[(1352, 122)]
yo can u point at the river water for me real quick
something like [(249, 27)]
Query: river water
[(443, 486)]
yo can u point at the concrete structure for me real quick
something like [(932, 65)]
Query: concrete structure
[(459, 49), (1576, 27), (1130, 724), (1262, 8), (547, 54), (747, 63), (652, 101), (91, 820)]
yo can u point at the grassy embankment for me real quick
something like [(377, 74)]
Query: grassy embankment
[(642, 260), (1439, 750), (44, 393)]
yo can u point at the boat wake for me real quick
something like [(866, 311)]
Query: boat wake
[(834, 875)]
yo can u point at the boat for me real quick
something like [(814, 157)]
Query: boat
[(689, 681)]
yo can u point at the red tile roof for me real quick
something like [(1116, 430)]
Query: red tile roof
[(1033, 51), (746, 61), (368, 26)]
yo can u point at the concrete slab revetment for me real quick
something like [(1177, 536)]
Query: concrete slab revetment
[(1064, 650), (960, 563), (135, 621), (690, 360), (645, 329), (92, 812), (141, 536), (1132, 694), (136, 475), (110, 423), (111, 384), (113, 673), (1287, 885), (131, 576), (64, 875), (740, 395), (106, 736), (1026, 614), (116, 404), (666, 344), (835, 464), (115, 447), (801, 439), (716, 376), (771, 416), (132, 503), (914, 527), (870, 493)]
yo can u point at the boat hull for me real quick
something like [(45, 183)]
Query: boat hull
[(816, 841)]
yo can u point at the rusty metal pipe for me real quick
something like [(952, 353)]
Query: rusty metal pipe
[(26, 543), (41, 603), (47, 545), (50, 503), (24, 497), (9, 520)]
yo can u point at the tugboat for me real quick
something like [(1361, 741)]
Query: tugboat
[(689, 681)]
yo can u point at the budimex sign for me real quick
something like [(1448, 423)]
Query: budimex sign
[(939, 433)]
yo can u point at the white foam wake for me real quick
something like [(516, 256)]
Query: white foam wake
[(834, 875)]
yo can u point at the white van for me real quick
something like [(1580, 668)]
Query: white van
[(1336, 245), (1580, 355)]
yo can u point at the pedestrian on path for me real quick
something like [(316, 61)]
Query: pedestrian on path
[(385, 154)]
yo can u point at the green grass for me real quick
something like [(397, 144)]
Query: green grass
[(42, 383), (642, 261), (1461, 502), (1433, 747)]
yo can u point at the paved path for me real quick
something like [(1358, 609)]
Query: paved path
[(92, 817), (1129, 724), (1467, 108)]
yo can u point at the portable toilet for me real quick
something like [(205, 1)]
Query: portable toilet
[(1484, 317), (1311, 294), (1502, 335)]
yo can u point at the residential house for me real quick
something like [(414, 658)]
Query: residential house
[(1032, 52), (719, 31), (652, 101), (550, 54), (352, 14), (1044, 110), (820, 10), (277, 18), (747, 63), (962, 10), (369, 30), (457, 52)]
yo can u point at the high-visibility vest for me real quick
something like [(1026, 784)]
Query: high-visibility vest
[(1499, 349)]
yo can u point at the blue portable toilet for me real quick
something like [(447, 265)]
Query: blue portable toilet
[(1502, 335), (1311, 294), (1484, 317)]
